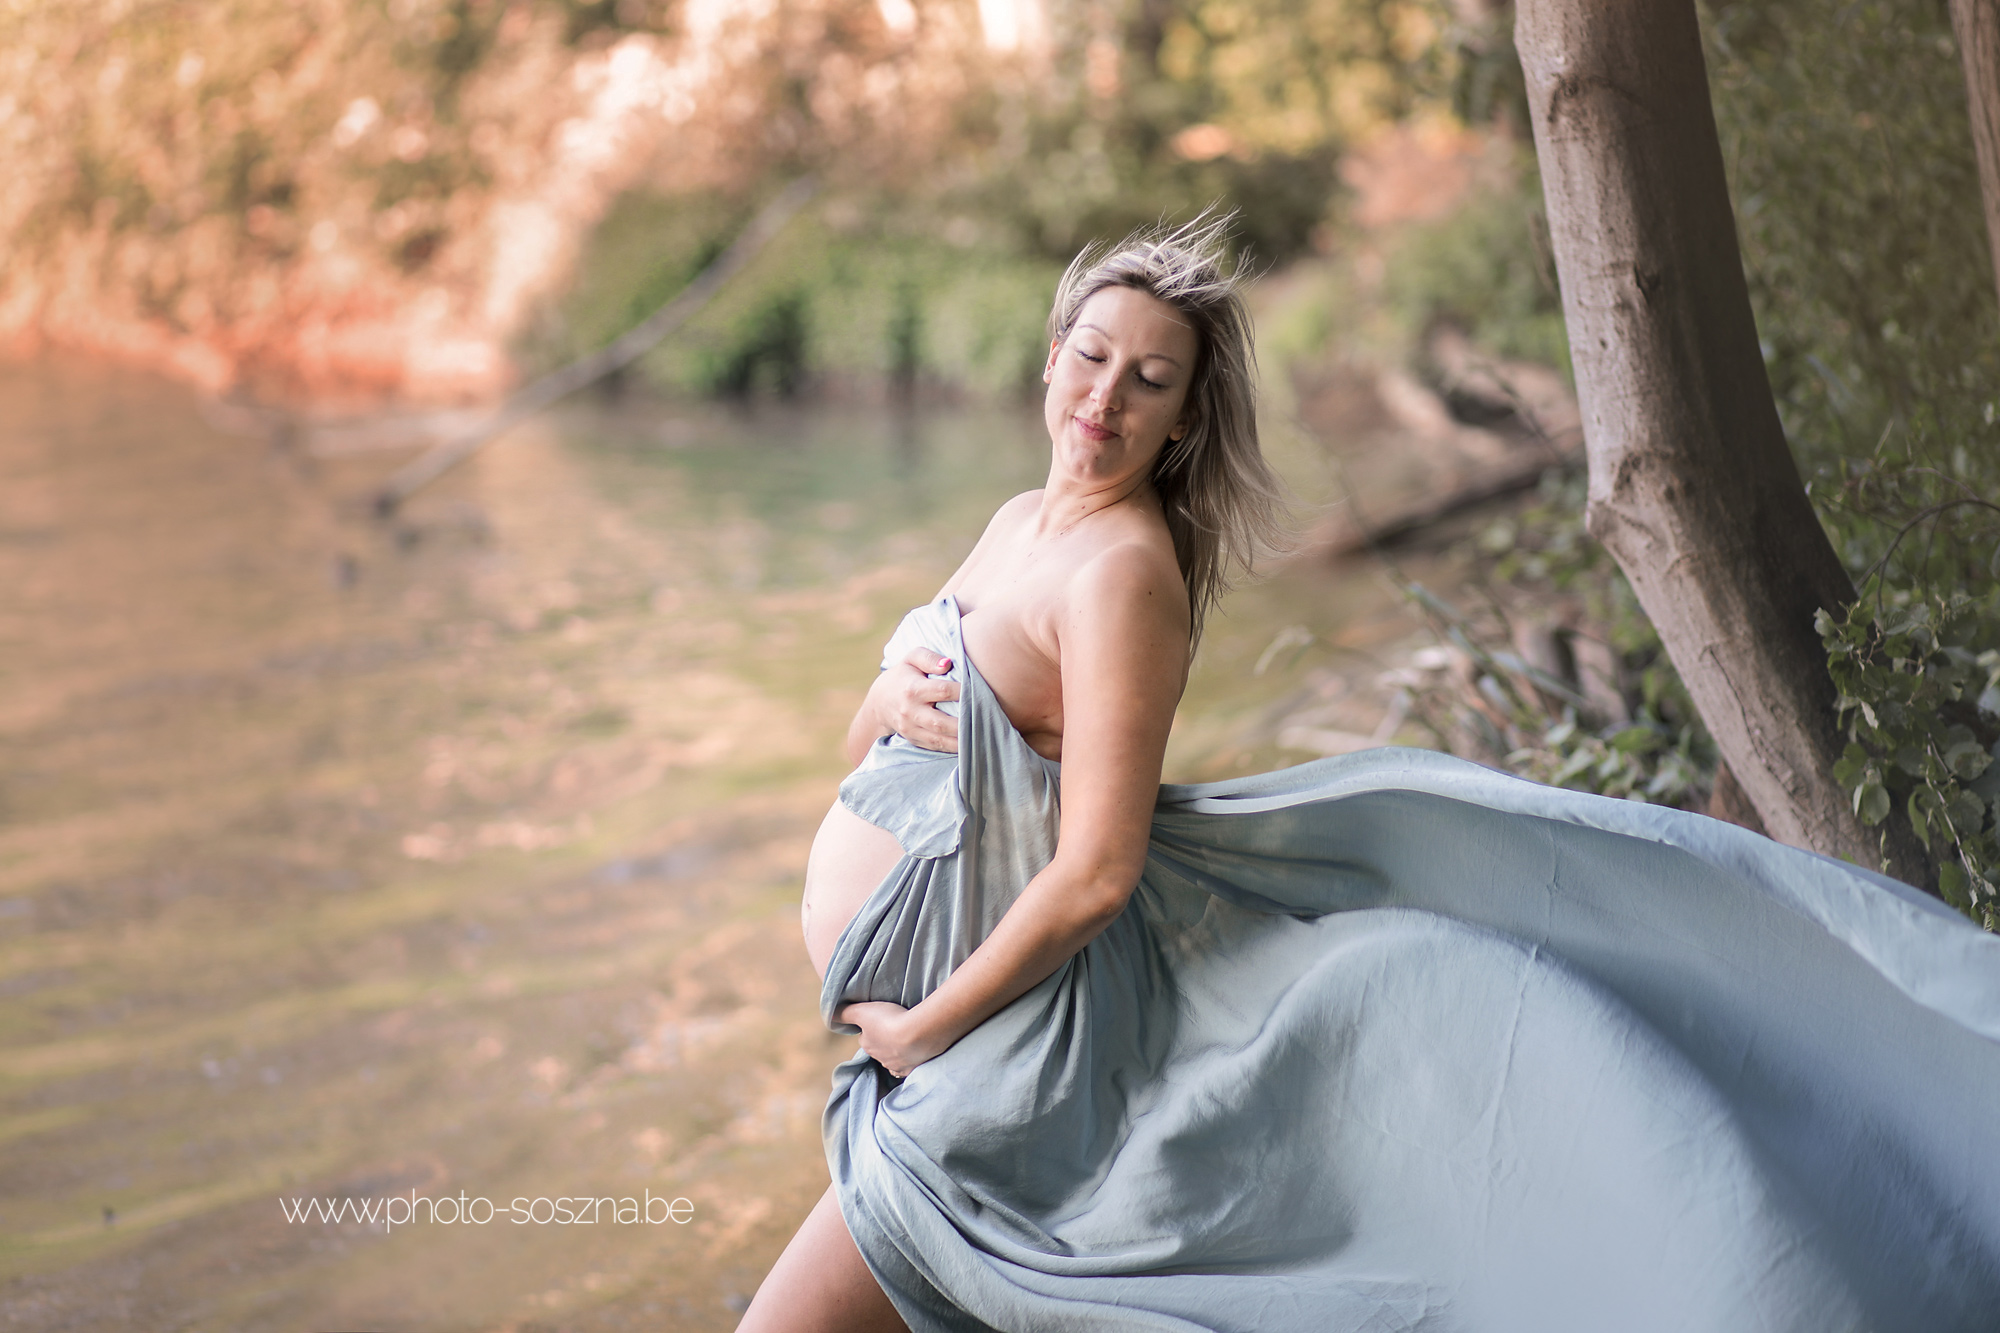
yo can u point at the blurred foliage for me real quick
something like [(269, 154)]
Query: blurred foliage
[(854, 295), (587, 20), (768, 354), (200, 158), (1487, 269), (934, 259), (1160, 106), (645, 250), (1845, 130), (185, 163), (1616, 721), (1487, 85)]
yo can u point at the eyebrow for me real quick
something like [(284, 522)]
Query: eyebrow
[(1155, 356)]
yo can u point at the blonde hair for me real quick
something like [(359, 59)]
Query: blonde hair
[(1224, 506)]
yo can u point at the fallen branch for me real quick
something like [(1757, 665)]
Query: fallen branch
[(1518, 475), (619, 352)]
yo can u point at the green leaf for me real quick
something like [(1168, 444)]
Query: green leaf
[(1967, 760), (1910, 618), (1951, 883), (1915, 809), (1871, 802), (1852, 763)]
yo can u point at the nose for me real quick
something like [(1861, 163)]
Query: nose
[(1104, 389)]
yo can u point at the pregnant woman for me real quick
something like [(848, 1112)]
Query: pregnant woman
[(1382, 1042)]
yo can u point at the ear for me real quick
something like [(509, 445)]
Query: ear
[(1049, 369)]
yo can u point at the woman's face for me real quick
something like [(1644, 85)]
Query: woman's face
[(1118, 385)]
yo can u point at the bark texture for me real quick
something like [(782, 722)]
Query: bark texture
[(1977, 26), (1692, 486)]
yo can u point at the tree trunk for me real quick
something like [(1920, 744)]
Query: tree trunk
[(1692, 486), (1977, 24)]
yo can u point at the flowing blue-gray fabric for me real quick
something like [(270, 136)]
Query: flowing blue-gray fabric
[(1391, 1041)]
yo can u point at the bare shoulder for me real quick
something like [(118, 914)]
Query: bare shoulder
[(1123, 639), (1131, 583)]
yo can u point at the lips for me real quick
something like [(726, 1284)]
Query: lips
[(1091, 430)]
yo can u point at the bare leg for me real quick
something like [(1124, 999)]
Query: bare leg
[(820, 1284)]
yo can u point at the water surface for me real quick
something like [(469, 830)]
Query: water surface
[(461, 854)]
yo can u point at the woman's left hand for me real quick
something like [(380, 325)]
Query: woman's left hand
[(892, 1036)]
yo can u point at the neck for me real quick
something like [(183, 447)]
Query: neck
[(1067, 501)]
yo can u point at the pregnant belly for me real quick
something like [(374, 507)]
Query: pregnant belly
[(849, 858)]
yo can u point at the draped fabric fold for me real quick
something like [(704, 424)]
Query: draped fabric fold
[(1391, 1041)]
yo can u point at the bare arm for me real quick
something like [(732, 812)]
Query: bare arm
[(1124, 635)]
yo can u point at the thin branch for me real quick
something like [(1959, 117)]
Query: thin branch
[(1933, 511), (619, 352)]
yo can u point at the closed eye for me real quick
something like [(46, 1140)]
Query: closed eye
[(1137, 375)]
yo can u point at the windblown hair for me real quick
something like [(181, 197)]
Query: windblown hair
[(1224, 506)]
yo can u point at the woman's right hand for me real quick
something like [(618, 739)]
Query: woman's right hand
[(903, 701)]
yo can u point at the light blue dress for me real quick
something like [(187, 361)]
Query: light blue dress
[(1391, 1041)]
